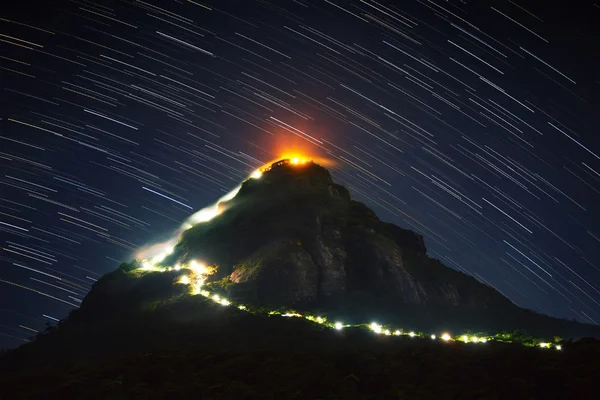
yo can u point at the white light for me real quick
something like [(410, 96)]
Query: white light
[(387, 332), (225, 302), (483, 340), (159, 258), (446, 337), (242, 307), (338, 326), (375, 327), (256, 174), (475, 339), (291, 315), (147, 266), (184, 279), (177, 267), (197, 267), (208, 213), (465, 338), (558, 347), (397, 333), (411, 334), (433, 337)]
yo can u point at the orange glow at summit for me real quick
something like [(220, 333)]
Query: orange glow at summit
[(297, 158)]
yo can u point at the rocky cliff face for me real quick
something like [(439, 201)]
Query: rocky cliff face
[(295, 236)]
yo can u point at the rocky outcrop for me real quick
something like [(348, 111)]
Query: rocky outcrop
[(295, 236)]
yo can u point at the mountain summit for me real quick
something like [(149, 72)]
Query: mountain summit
[(293, 236)]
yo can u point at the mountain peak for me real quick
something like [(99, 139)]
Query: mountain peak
[(291, 237)]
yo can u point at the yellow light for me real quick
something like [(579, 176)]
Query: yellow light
[(397, 333), (216, 297), (295, 160), (338, 326), (242, 307), (177, 267), (375, 327), (433, 337), (204, 293), (475, 339), (411, 334), (196, 288), (256, 174), (465, 338), (483, 340), (558, 347), (225, 302), (184, 279), (446, 337), (320, 320), (544, 345), (387, 332), (197, 267)]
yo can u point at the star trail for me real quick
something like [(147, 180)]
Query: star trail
[(473, 123)]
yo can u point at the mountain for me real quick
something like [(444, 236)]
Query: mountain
[(292, 237), (292, 243)]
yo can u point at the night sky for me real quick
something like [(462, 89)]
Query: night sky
[(474, 123)]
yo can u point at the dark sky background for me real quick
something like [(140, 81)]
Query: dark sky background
[(474, 123)]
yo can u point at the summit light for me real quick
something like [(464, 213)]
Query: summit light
[(256, 174)]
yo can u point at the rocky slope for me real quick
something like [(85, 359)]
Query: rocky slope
[(294, 236)]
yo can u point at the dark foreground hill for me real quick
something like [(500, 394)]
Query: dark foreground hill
[(190, 347)]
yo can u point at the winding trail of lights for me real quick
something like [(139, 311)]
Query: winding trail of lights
[(198, 273)]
